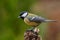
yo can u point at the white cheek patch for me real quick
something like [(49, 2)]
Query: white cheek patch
[(24, 14)]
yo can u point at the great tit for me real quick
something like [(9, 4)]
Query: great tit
[(32, 19)]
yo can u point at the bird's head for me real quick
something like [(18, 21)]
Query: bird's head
[(23, 14)]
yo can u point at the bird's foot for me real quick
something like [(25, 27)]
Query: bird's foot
[(34, 29)]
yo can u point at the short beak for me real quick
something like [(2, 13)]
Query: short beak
[(18, 17)]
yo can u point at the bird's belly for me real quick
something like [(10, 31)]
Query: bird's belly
[(34, 24)]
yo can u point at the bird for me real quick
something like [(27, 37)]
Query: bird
[(33, 20)]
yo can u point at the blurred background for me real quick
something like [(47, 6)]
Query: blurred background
[(12, 28)]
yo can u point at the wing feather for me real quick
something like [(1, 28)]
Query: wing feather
[(36, 19)]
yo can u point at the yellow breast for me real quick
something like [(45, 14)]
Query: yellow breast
[(34, 24)]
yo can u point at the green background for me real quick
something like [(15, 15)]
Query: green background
[(12, 28)]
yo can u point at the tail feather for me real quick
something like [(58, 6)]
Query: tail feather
[(50, 20)]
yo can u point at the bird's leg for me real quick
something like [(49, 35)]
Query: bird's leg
[(34, 29)]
